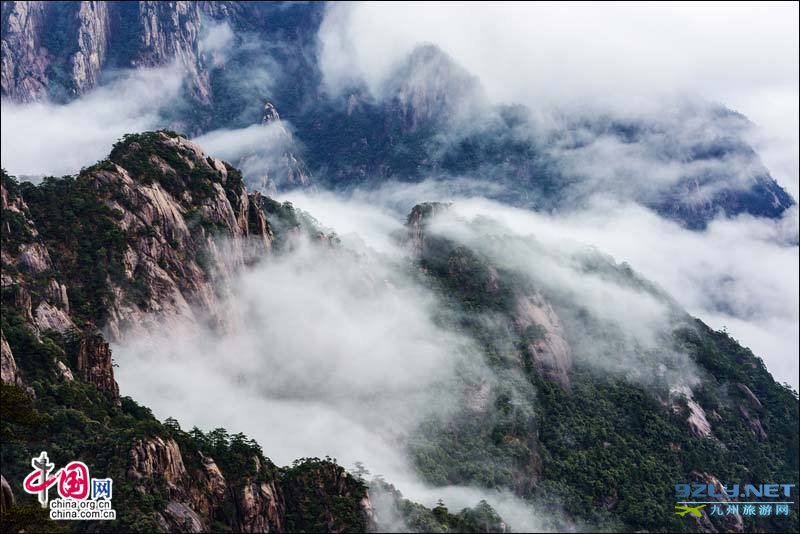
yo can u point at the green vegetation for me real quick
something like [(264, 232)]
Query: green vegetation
[(606, 451), (151, 159), (417, 518), (15, 230), (322, 497), (86, 245)]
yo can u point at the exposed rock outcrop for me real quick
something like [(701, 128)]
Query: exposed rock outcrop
[(34, 258), (24, 59), (64, 371), (59, 50), (259, 506), (8, 366), (754, 423), (730, 523), (546, 341), (180, 518), (169, 31), (94, 364), (417, 223), (696, 418), (156, 457), (48, 317), (92, 40), (6, 495), (750, 396), (698, 423), (284, 169)]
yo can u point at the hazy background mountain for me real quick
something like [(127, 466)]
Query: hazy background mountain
[(308, 95), (437, 300), (466, 352), (425, 117)]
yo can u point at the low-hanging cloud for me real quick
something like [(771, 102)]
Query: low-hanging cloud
[(216, 41), (621, 56), (258, 150), (740, 274), (52, 139), (333, 352)]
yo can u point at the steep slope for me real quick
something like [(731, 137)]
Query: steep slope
[(59, 50), (583, 410), (121, 248), (581, 414)]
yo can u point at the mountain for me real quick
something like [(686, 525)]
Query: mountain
[(569, 404), (148, 235), (572, 394), (577, 409), (689, 162)]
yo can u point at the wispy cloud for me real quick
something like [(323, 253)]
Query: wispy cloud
[(335, 352), (45, 138), (618, 56)]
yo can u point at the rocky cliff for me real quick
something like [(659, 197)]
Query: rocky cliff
[(59, 50), (558, 412), (158, 205), (151, 233)]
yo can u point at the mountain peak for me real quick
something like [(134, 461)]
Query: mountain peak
[(429, 85)]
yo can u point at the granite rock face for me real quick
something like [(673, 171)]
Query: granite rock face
[(184, 226), (548, 347), (24, 58), (59, 50), (258, 499)]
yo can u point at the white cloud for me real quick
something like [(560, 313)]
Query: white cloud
[(216, 40), (625, 55), (741, 274), (776, 112), (51, 139), (334, 353), (255, 150)]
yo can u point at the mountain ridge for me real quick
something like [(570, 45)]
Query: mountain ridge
[(357, 139), (53, 352), (159, 204)]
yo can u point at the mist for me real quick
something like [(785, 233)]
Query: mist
[(336, 352), (739, 274), (343, 352), (256, 150), (53, 139), (611, 57)]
